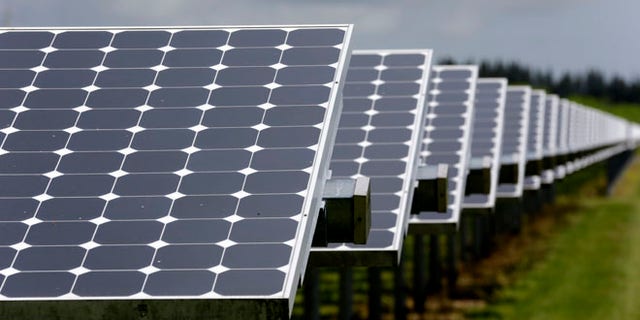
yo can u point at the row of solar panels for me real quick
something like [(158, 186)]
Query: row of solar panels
[(190, 163), (514, 137)]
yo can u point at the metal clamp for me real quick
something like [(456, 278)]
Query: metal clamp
[(346, 216), (479, 177), (509, 169), (431, 192)]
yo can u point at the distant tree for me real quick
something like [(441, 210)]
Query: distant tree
[(594, 84), (518, 73), (617, 90), (447, 61), (564, 86), (542, 79), (485, 68), (634, 92), (500, 69)]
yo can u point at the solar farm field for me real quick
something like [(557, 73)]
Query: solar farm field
[(590, 269)]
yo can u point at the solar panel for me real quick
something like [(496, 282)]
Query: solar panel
[(561, 142), (535, 136), (635, 135), (514, 142), (576, 136), (379, 137), (580, 134), (486, 141), (147, 163), (572, 123), (446, 140), (549, 137)]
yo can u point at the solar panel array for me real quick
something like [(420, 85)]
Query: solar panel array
[(189, 163), (446, 140), (549, 137), (379, 137), (514, 138), (159, 163), (486, 140), (535, 136), (588, 145)]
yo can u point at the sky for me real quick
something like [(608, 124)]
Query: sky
[(555, 35)]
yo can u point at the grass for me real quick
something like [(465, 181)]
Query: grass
[(591, 269)]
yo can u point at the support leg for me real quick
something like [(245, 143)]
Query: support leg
[(311, 295), (478, 237), (615, 166), (435, 269), (375, 293), (452, 262), (419, 295), (346, 293), (399, 309)]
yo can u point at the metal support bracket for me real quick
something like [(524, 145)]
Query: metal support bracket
[(533, 168), (346, 216), (509, 169), (431, 192), (479, 177)]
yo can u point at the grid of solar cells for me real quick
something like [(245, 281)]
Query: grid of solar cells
[(550, 125), (514, 137), (536, 125), (563, 126), (446, 141), (578, 135), (535, 135), (561, 135), (486, 140), (594, 117), (379, 137), (145, 163), (550, 133)]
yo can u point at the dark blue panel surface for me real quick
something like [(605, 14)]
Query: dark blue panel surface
[(452, 92), (514, 136), (378, 137), (145, 162), (486, 141)]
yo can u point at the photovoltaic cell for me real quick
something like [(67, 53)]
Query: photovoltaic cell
[(146, 163), (535, 136), (451, 100), (536, 125), (486, 140), (514, 138), (379, 137)]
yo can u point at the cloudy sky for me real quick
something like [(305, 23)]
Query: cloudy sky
[(558, 35)]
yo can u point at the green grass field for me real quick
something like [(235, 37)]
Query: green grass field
[(592, 267)]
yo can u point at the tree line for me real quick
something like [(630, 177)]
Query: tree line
[(591, 83)]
